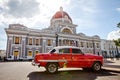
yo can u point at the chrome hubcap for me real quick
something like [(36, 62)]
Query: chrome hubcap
[(52, 68), (97, 66)]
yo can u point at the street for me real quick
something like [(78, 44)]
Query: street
[(25, 71)]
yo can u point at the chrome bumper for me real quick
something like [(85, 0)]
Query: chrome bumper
[(35, 64)]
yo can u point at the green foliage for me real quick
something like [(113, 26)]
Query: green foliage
[(117, 42), (118, 25)]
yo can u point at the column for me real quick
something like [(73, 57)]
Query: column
[(10, 46), (23, 42), (9, 42), (61, 42), (54, 42), (43, 45)]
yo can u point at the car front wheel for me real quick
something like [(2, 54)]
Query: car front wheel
[(96, 66), (52, 67)]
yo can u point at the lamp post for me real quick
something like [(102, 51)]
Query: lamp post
[(56, 35)]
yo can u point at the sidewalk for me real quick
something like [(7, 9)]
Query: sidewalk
[(113, 65)]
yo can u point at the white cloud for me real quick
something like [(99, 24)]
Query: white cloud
[(3, 41), (37, 13), (32, 12), (118, 9), (21, 8), (3, 36), (29, 12), (114, 35)]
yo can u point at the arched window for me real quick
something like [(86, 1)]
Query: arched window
[(67, 31)]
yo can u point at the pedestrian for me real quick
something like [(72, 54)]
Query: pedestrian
[(112, 58), (117, 57)]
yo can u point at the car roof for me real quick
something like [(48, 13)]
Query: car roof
[(60, 47)]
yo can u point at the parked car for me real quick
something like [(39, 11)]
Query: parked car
[(10, 58), (67, 56)]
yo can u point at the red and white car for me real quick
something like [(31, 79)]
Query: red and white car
[(67, 56)]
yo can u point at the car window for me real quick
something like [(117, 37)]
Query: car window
[(64, 50), (53, 51), (76, 51)]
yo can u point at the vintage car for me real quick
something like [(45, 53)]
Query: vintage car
[(67, 56)]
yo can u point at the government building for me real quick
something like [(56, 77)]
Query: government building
[(25, 43)]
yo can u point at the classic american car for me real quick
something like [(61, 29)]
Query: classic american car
[(67, 56)]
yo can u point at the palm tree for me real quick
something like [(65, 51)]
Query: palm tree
[(118, 25)]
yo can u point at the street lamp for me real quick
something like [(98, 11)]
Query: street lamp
[(56, 35)]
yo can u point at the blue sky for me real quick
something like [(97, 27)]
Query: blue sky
[(93, 17)]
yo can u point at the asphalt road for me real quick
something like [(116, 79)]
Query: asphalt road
[(25, 71)]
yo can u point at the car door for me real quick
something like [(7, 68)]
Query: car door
[(65, 56), (78, 58)]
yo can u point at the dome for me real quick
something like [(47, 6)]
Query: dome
[(61, 14)]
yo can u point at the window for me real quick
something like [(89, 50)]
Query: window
[(37, 41), (36, 52), (91, 45), (30, 41), (16, 53), (29, 53), (97, 45), (64, 50), (49, 42), (17, 40), (82, 44), (67, 31), (76, 51)]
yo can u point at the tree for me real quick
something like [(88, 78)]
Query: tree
[(117, 42), (118, 25)]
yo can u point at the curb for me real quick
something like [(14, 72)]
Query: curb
[(111, 69)]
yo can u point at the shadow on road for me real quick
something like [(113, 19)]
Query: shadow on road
[(69, 75), (112, 66)]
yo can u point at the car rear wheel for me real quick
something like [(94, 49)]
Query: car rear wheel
[(52, 68), (96, 66)]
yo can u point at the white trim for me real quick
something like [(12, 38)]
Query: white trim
[(52, 60)]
